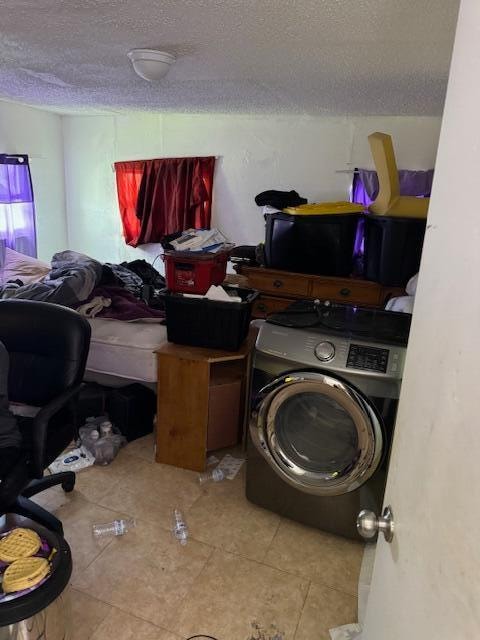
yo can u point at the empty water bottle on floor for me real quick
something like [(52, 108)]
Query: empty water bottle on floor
[(115, 528), (215, 475), (180, 530)]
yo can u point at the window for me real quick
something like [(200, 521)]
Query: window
[(163, 196), (17, 211)]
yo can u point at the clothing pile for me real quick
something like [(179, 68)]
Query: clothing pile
[(279, 200), (96, 290)]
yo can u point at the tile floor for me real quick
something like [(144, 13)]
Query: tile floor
[(245, 573)]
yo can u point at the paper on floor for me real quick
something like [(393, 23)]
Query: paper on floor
[(230, 466), (73, 460), (347, 632)]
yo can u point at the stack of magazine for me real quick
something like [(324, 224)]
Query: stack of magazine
[(203, 240)]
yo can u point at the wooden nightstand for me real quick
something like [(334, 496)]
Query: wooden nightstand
[(199, 392)]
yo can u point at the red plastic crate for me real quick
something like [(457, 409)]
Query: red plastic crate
[(188, 272)]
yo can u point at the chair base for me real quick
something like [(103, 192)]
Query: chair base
[(29, 509), (65, 478)]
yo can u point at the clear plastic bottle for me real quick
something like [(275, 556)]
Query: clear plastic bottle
[(104, 451), (215, 475), (106, 429), (180, 530), (115, 528)]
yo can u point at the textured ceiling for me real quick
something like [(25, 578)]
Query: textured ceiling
[(372, 57)]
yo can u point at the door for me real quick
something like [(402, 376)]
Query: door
[(317, 432), (426, 583)]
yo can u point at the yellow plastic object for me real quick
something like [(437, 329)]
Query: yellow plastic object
[(24, 573), (19, 543), (389, 202), (325, 209)]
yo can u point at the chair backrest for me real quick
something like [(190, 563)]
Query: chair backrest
[(48, 348)]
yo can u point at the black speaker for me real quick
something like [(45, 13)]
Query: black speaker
[(132, 409)]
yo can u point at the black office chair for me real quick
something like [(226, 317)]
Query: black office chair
[(48, 348)]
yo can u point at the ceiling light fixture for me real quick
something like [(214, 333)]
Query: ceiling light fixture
[(151, 64)]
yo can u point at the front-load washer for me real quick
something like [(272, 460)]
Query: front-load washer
[(325, 388)]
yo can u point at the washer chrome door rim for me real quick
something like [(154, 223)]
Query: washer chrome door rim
[(263, 430)]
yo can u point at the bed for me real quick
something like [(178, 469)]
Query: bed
[(121, 352)]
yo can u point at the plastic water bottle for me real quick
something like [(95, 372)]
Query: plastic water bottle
[(180, 530), (115, 528), (106, 429), (215, 475)]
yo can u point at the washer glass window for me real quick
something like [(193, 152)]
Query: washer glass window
[(316, 433)]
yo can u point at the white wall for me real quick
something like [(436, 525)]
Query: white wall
[(39, 134), (255, 153), (426, 583)]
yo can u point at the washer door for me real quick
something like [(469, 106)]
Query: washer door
[(320, 434)]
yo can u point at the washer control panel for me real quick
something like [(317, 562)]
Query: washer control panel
[(325, 351), (310, 348), (367, 358)]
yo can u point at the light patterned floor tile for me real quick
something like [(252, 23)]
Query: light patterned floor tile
[(153, 491), (233, 596), (325, 608), (138, 586), (77, 517), (223, 518), (93, 483), (87, 614), (123, 626), (323, 558), (146, 573), (142, 448)]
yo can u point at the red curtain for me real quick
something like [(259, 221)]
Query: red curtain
[(129, 176), (163, 196)]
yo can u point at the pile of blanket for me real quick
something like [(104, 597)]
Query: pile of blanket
[(94, 289)]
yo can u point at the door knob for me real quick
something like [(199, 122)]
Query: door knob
[(368, 524)]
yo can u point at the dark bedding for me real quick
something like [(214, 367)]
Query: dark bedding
[(76, 278), (71, 280)]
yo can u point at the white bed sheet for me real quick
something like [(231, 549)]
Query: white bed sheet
[(125, 349)]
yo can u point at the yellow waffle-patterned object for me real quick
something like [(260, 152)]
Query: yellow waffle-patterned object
[(325, 208), (24, 573), (19, 543)]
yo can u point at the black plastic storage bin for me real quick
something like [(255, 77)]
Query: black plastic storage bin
[(200, 322), (131, 409), (316, 244), (392, 249)]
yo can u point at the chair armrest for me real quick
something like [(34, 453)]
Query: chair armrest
[(40, 427)]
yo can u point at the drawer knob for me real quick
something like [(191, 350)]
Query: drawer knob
[(277, 283), (262, 307), (345, 292)]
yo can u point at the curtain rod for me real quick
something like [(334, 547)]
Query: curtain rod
[(163, 158)]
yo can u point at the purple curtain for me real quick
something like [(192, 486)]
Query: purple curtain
[(17, 210), (365, 190), (412, 183)]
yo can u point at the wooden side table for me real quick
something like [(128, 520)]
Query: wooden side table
[(188, 392)]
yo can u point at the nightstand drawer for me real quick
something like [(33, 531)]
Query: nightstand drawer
[(349, 291), (278, 283), (265, 305)]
